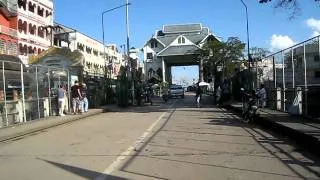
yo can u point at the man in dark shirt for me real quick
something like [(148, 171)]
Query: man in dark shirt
[(76, 96)]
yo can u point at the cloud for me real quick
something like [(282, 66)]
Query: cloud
[(314, 24), (279, 42)]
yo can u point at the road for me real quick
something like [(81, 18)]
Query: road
[(166, 141)]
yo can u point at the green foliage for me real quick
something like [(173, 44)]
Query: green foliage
[(226, 54)]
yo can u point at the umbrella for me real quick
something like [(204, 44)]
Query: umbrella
[(203, 84)]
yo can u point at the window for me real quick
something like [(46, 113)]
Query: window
[(31, 7), (316, 58), (22, 4), (40, 11), (181, 40), (154, 44), (40, 32), (149, 56)]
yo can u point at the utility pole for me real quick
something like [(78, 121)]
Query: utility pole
[(128, 50)]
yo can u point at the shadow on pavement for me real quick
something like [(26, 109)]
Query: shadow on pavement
[(273, 146), (85, 173)]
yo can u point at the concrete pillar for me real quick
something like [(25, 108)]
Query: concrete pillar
[(163, 70), (201, 70)]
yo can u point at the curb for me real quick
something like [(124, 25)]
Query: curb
[(306, 141), (54, 124)]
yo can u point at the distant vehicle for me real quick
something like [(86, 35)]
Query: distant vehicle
[(176, 91)]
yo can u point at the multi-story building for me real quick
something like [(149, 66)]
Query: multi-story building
[(35, 27), (8, 27), (114, 59), (92, 51)]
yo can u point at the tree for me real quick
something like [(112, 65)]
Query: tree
[(222, 54), (292, 5)]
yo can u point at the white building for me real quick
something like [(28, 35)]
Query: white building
[(35, 19), (92, 50), (175, 45)]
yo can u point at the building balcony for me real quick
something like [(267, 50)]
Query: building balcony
[(8, 48), (8, 31)]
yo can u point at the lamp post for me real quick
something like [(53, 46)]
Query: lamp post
[(128, 50), (248, 40), (103, 39)]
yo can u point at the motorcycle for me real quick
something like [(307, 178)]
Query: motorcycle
[(250, 107), (165, 97)]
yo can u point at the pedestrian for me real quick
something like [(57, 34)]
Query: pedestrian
[(262, 96), (84, 100), (61, 99), (198, 94), (218, 95), (76, 96), (225, 91)]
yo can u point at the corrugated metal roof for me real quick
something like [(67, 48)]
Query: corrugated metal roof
[(182, 28)]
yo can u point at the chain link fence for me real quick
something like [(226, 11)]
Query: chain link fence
[(292, 78)]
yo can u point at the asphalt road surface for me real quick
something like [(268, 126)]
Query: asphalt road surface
[(175, 140)]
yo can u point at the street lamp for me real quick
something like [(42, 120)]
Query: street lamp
[(102, 23), (248, 40)]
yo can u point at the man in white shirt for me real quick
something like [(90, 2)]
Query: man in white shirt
[(262, 94), (61, 98)]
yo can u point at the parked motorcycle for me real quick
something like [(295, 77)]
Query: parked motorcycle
[(249, 107)]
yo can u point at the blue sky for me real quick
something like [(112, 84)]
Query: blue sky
[(269, 28)]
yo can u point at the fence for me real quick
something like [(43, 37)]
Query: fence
[(292, 78), (29, 92)]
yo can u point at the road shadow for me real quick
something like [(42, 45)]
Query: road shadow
[(84, 173)]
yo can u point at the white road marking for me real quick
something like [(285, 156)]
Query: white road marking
[(129, 151)]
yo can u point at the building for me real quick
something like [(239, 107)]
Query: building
[(35, 27), (91, 64), (114, 60), (175, 45), (8, 27)]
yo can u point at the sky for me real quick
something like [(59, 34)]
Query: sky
[(269, 28)]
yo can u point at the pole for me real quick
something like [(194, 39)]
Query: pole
[(248, 40), (38, 100), (128, 49), (5, 93), (22, 93), (103, 39)]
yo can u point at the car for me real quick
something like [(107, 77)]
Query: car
[(176, 91)]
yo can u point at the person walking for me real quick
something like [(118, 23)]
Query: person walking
[(84, 100), (198, 95), (61, 99), (218, 95), (262, 96), (76, 96)]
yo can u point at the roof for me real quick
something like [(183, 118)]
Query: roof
[(178, 50), (195, 37), (182, 28), (11, 62)]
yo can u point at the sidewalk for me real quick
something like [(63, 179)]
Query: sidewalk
[(31, 127), (304, 132)]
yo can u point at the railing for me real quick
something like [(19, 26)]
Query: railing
[(8, 31), (8, 48)]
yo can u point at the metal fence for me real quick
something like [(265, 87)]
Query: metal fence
[(292, 78), (30, 92)]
